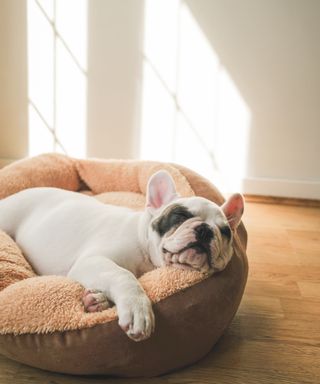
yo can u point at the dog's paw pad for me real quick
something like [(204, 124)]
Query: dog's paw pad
[(94, 300)]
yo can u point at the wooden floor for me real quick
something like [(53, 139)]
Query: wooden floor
[(275, 336)]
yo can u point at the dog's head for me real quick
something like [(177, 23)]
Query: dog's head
[(192, 232)]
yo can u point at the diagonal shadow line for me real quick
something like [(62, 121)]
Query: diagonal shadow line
[(52, 131), (181, 110), (59, 36)]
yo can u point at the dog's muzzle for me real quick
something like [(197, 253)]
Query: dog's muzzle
[(189, 246)]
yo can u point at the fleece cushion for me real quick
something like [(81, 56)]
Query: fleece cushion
[(42, 320)]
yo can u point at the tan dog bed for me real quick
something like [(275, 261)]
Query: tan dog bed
[(42, 321)]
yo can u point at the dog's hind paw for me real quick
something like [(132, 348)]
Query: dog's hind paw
[(94, 300)]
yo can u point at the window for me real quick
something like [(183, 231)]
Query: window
[(57, 60)]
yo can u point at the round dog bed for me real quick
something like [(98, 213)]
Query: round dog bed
[(42, 321)]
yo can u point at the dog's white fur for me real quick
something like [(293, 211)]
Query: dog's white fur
[(106, 247)]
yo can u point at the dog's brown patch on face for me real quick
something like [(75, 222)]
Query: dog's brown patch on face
[(172, 217)]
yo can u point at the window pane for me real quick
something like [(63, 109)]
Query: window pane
[(70, 104), (71, 23), (191, 151), (158, 113), (40, 138), (40, 61), (48, 7)]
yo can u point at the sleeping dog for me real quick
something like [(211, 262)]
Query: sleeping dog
[(105, 248)]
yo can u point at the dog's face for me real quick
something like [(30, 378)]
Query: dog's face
[(192, 232)]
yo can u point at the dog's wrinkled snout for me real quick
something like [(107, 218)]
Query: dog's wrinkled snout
[(204, 233), (189, 246)]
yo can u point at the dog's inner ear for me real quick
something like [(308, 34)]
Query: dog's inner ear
[(161, 190), (233, 209)]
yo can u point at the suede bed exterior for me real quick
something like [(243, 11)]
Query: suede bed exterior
[(42, 322)]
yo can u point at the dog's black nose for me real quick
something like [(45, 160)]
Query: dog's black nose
[(204, 233)]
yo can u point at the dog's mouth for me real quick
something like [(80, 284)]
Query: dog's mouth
[(194, 256)]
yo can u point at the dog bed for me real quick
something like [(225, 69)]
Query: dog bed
[(42, 320)]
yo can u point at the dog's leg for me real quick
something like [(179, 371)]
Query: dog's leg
[(10, 214), (119, 285)]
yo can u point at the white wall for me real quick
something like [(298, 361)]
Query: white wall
[(13, 81), (271, 50)]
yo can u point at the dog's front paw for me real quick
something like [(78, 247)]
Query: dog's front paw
[(136, 317), (94, 300)]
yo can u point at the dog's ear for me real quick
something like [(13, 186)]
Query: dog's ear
[(233, 209), (161, 190)]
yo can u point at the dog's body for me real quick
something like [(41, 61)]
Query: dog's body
[(106, 247)]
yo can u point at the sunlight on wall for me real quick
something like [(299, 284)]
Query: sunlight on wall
[(192, 112), (57, 56)]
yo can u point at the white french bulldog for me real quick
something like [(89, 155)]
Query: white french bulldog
[(105, 248)]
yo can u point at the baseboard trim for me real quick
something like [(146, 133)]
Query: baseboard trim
[(293, 189), (282, 201)]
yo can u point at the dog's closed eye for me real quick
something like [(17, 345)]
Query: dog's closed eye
[(172, 217), (226, 231)]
